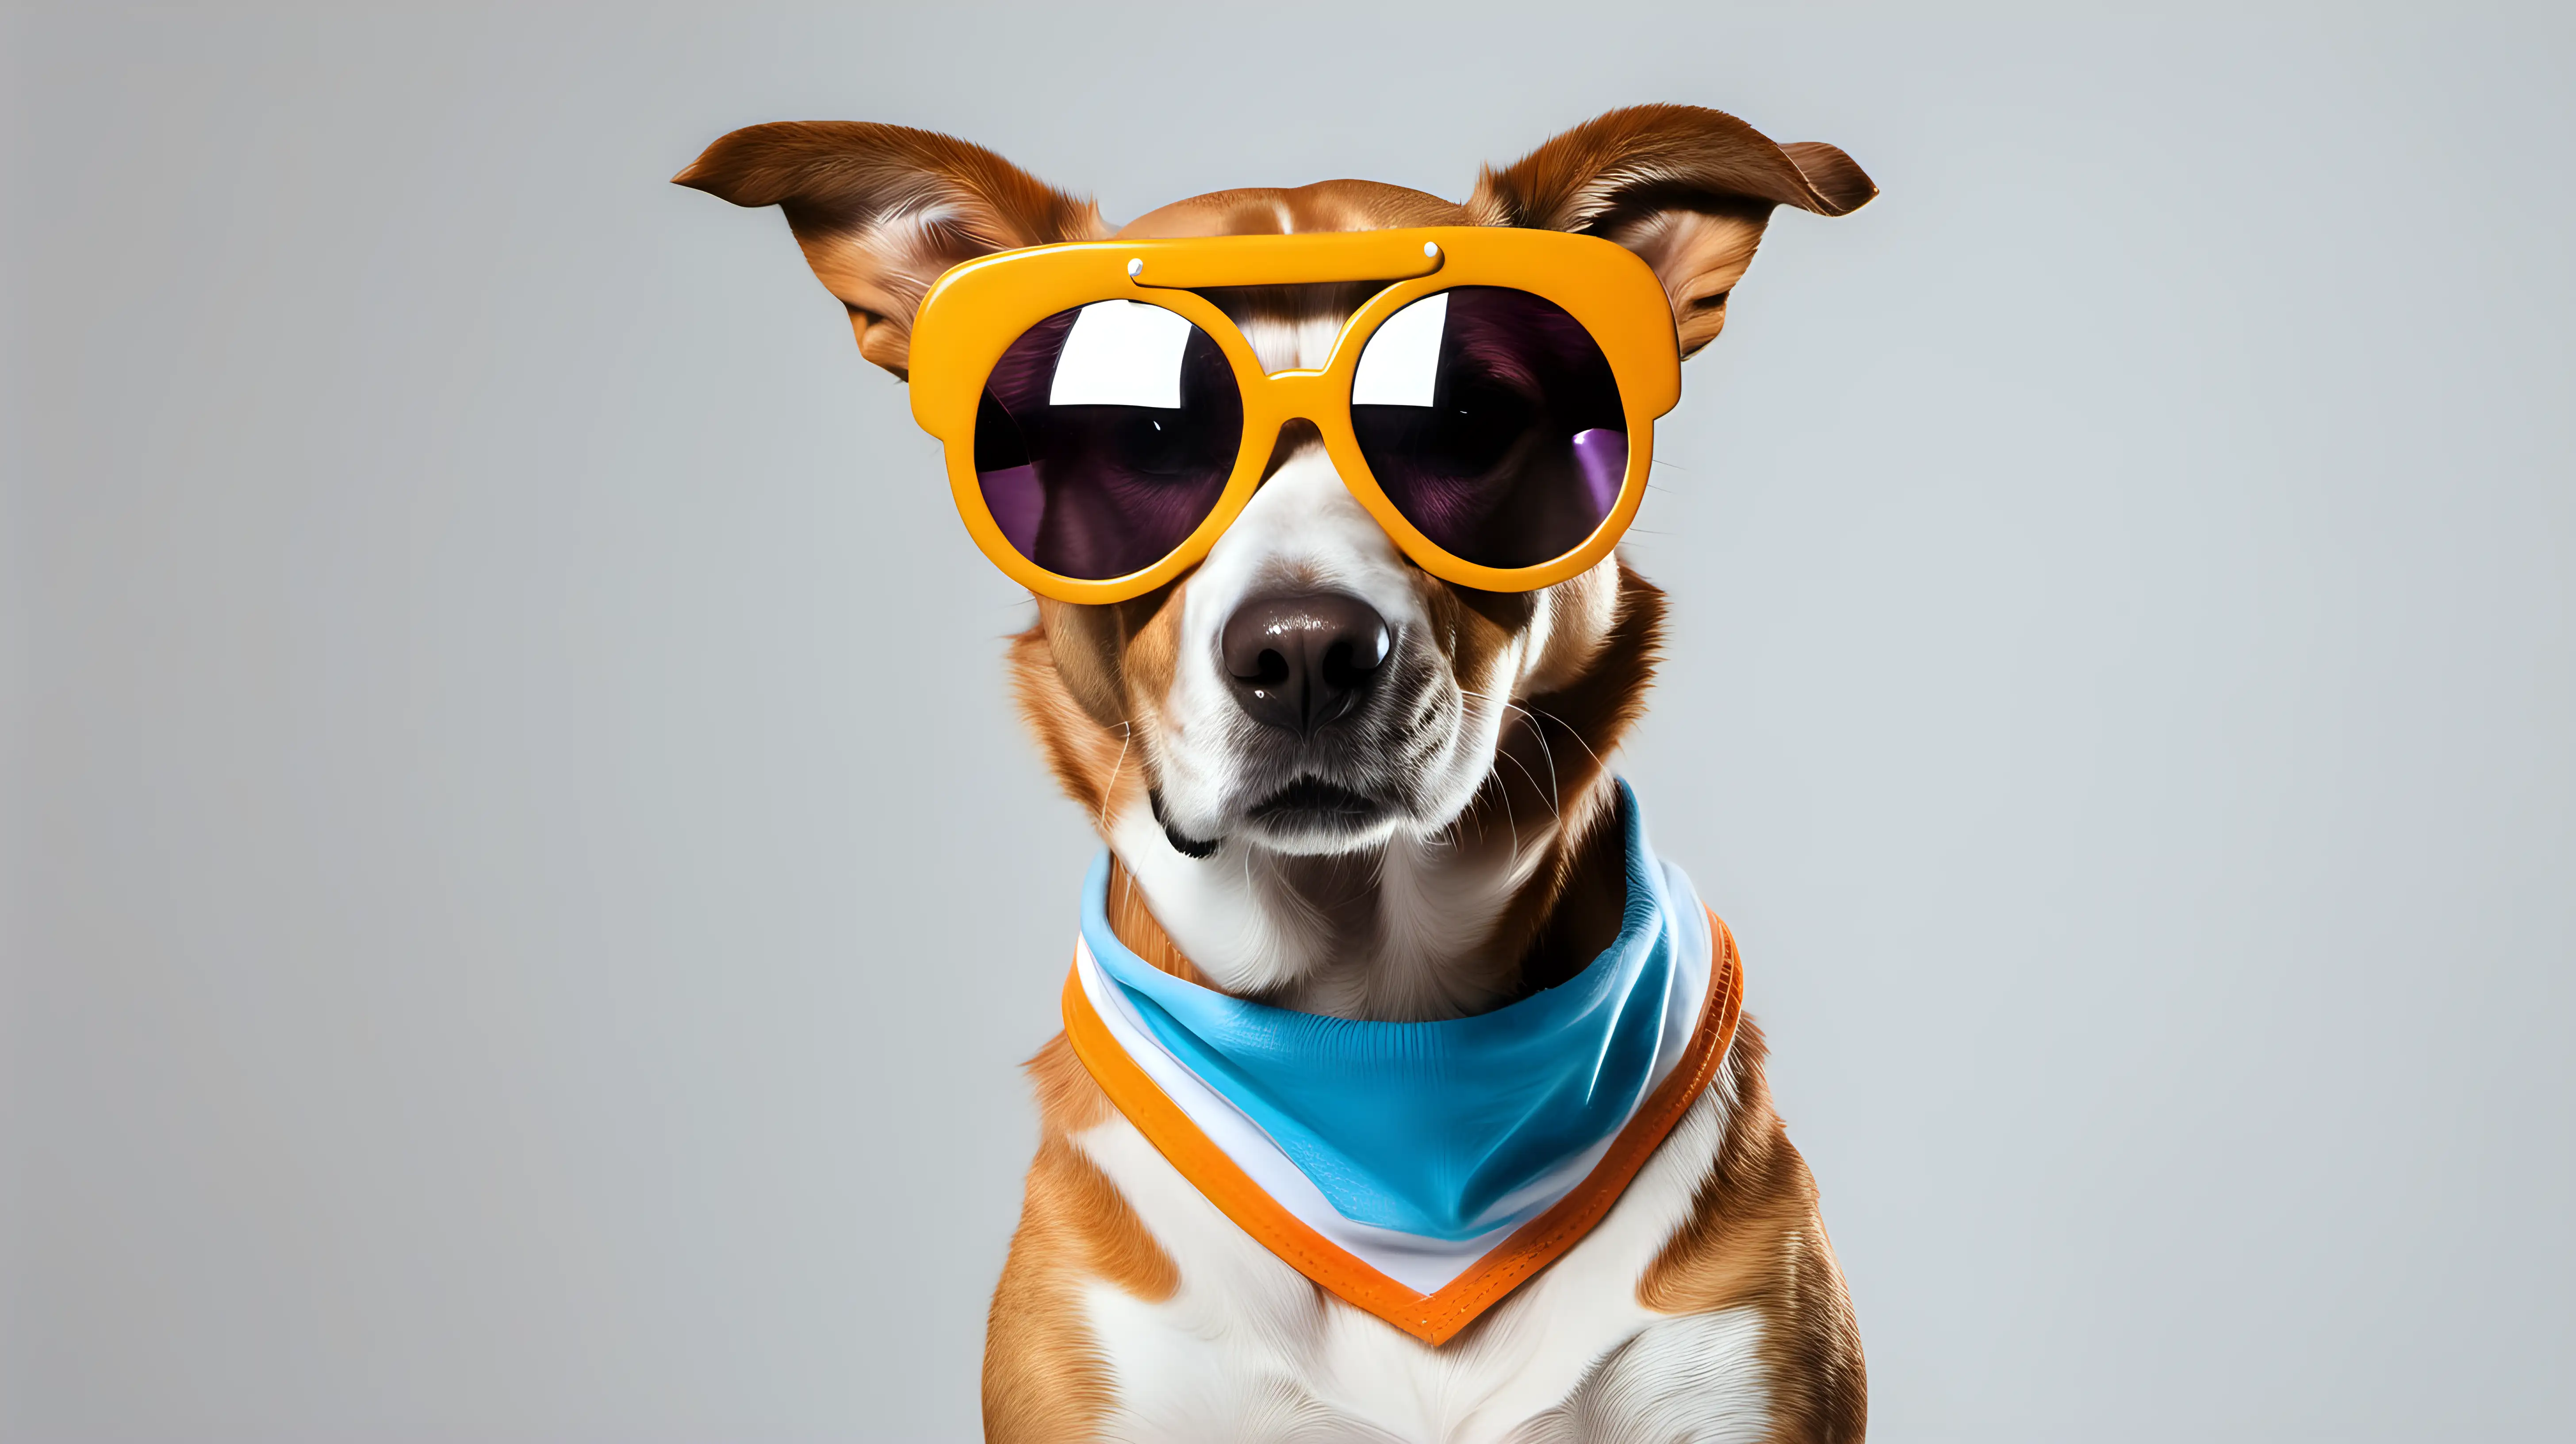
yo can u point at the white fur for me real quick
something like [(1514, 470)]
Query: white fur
[(1630, 1396), (1247, 1349), (1302, 528)]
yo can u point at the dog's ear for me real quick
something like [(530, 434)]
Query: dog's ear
[(1688, 189), (882, 211)]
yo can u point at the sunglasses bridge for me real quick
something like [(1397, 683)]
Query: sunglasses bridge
[(1300, 393)]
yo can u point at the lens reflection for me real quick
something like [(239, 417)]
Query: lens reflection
[(1492, 421), (1105, 436)]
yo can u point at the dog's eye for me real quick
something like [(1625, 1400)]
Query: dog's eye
[(1476, 426), (1493, 422), (1150, 444), (1106, 435)]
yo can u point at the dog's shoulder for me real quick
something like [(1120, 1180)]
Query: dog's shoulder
[(1044, 1375), (1754, 1239)]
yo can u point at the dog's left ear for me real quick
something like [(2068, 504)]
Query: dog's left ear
[(1686, 188)]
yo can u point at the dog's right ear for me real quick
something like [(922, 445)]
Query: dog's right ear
[(882, 211)]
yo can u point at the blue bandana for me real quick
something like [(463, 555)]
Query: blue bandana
[(1443, 1130)]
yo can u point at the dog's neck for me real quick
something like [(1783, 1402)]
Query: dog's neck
[(1515, 895)]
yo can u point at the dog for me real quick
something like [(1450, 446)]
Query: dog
[(1340, 792)]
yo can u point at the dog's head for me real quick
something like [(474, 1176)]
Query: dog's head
[(1306, 690)]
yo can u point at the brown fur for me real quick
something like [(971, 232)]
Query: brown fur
[(1087, 754), (881, 211), (1335, 205), (1647, 155), (1755, 1238)]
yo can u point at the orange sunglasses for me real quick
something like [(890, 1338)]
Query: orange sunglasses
[(1493, 406)]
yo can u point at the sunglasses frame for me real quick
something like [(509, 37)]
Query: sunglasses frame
[(978, 309)]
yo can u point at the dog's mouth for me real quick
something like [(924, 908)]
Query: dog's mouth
[(1312, 806), (1368, 777)]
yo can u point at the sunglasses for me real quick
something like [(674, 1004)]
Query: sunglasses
[(1492, 405)]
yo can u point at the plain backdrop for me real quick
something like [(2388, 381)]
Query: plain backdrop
[(525, 898)]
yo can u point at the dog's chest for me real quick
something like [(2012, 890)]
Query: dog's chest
[(1248, 1349)]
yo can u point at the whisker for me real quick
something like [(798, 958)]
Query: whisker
[(1597, 759), (1552, 809), (1531, 716), (1556, 793)]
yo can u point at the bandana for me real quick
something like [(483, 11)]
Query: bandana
[(1419, 1171)]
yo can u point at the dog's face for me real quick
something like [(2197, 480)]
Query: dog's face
[(1307, 690)]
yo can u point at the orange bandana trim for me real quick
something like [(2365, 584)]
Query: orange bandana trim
[(1433, 1318)]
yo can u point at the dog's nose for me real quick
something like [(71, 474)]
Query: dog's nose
[(1304, 661)]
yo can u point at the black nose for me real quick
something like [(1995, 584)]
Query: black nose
[(1303, 662)]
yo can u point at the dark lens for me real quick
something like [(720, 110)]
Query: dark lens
[(1491, 420), (1105, 437)]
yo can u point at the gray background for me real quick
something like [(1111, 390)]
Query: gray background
[(524, 895)]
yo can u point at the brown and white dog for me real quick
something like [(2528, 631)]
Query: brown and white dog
[(1442, 849)]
